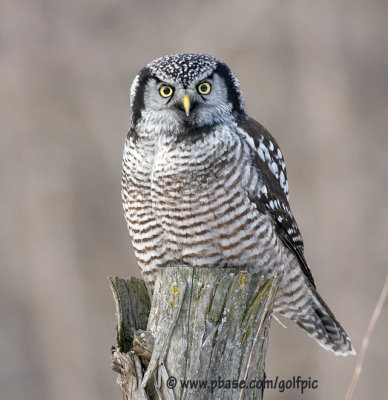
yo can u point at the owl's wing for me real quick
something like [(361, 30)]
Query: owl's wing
[(273, 197)]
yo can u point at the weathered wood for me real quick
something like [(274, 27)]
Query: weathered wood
[(143, 344), (209, 325), (132, 310), (130, 370)]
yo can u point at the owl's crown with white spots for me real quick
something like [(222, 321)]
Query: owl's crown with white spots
[(184, 68)]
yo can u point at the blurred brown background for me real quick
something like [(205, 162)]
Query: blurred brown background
[(315, 73)]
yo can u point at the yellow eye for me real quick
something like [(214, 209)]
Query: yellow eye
[(166, 91), (204, 88)]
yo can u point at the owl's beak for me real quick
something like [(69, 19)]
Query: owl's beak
[(186, 103)]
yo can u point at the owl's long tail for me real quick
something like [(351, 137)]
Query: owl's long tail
[(305, 306), (321, 325)]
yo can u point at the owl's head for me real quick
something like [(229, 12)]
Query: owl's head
[(185, 92)]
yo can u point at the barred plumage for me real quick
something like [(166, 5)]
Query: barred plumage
[(205, 185)]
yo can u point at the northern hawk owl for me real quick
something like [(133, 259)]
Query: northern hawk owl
[(205, 185)]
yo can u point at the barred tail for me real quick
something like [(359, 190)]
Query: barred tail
[(321, 325), (298, 300)]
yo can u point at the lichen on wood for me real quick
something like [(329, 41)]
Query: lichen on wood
[(203, 326)]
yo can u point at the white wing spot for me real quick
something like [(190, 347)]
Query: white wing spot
[(264, 148), (282, 179), (273, 167)]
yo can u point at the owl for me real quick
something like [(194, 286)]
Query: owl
[(205, 185)]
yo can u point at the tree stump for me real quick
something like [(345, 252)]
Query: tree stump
[(206, 336)]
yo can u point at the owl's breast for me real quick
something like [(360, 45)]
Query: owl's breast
[(200, 197)]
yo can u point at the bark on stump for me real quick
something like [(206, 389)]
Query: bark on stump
[(204, 325)]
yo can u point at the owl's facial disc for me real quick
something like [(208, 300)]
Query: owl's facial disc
[(185, 92), (202, 102)]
